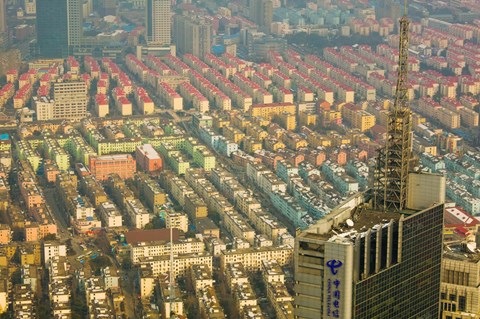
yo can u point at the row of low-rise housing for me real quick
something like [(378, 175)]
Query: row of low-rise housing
[(277, 293), (37, 219), (181, 191), (81, 212), (233, 221), (463, 176), (216, 97), (239, 98), (276, 190), (244, 200)]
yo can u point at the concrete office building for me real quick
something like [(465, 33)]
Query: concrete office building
[(59, 27), (158, 22), (192, 34), (361, 263), (71, 99)]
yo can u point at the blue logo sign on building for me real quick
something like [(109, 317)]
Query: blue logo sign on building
[(333, 292)]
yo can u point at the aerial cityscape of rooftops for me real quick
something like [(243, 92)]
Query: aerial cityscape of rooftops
[(243, 159)]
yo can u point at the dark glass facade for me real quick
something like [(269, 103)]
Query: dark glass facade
[(149, 19), (52, 28), (411, 287)]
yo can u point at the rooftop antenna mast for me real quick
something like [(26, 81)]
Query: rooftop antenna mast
[(393, 160)]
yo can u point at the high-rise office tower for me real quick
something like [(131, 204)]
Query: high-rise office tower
[(159, 23), (59, 26), (261, 12), (192, 35), (361, 263), (71, 98), (378, 254), (3, 16)]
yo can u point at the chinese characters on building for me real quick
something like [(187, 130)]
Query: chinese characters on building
[(333, 295)]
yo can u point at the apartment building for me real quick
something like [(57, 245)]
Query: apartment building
[(177, 220), (252, 258), (71, 99), (148, 158), (200, 278), (53, 250), (268, 111), (160, 248), (181, 263), (110, 215), (139, 216)]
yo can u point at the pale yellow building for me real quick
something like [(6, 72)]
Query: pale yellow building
[(307, 118), (363, 120), (250, 145), (287, 121), (468, 117), (182, 262), (177, 220), (268, 111), (233, 134), (252, 258)]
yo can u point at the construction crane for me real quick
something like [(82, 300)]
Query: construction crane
[(393, 160)]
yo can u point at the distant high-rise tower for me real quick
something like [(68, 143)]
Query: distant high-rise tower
[(75, 22), (59, 27), (261, 12), (388, 9), (3, 16), (159, 24), (192, 35)]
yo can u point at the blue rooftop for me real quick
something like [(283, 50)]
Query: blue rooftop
[(218, 49), (4, 137)]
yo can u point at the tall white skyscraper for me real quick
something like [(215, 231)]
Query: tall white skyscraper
[(158, 22)]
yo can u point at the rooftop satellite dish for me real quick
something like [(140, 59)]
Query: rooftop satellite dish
[(349, 223), (471, 246)]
